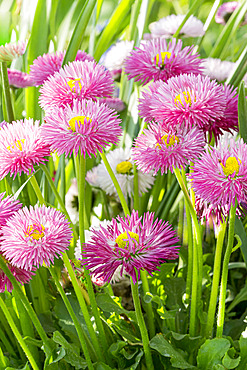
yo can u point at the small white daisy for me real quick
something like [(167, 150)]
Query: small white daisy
[(217, 69), (122, 165), (167, 26), (113, 59)]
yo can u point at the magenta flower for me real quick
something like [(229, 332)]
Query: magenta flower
[(45, 66), (34, 236), (76, 81), (187, 100), (220, 176), (8, 52), (8, 206), (134, 243), (19, 79), (21, 147), (158, 149), (155, 60), (21, 275), (87, 126), (225, 11)]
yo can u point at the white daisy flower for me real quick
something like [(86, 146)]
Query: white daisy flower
[(217, 69), (114, 58), (122, 164), (167, 26)]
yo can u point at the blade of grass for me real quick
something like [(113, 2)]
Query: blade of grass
[(240, 69), (242, 112)]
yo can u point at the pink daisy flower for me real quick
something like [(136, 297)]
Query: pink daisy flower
[(220, 175), (21, 147), (46, 65), (159, 149), (87, 126), (225, 11), (134, 243), (77, 80), (8, 52), (34, 236), (155, 60), (19, 79), (21, 275), (8, 206), (185, 100)]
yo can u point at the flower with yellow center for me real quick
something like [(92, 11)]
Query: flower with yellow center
[(159, 58), (183, 97), (231, 167), (122, 239), (168, 140), (17, 144), (35, 231), (74, 84), (124, 167), (80, 121)]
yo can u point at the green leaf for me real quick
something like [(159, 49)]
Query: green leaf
[(161, 345), (211, 353), (114, 26), (174, 288), (240, 297), (106, 303), (76, 38), (186, 342), (243, 353), (242, 112), (229, 362), (240, 231), (239, 70)]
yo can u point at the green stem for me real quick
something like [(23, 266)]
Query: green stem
[(59, 199), (116, 184), (37, 190), (149, 307), (81, 174), (197, 260), (17, 334), (223, 284), (142, 326), (25, 302), (136, 189), (74, 318), (6, 92), (216, 280)]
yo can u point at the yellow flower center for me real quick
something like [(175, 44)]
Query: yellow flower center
[(74, 83), (186, 98), (159, 58), (124, 243), (80, 121), (232, 165), (124, 167), (168, 140), (17, 144), (35, 231)]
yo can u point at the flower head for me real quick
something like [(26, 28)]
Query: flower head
[(185, 100), (113, 59), (155, 60), (21, 275), (159, 149), (76, 81), (122, 164), (21, 147), (8, 52), (19, 79), (8, 206), (134, 243), (220, 176), (167, 26), (34, 236), (87, 126), (225, 11), (45, 66), (217, 69)]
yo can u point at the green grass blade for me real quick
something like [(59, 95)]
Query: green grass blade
[(79, 30), (240, 69), (242, 112), (113, 28)]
